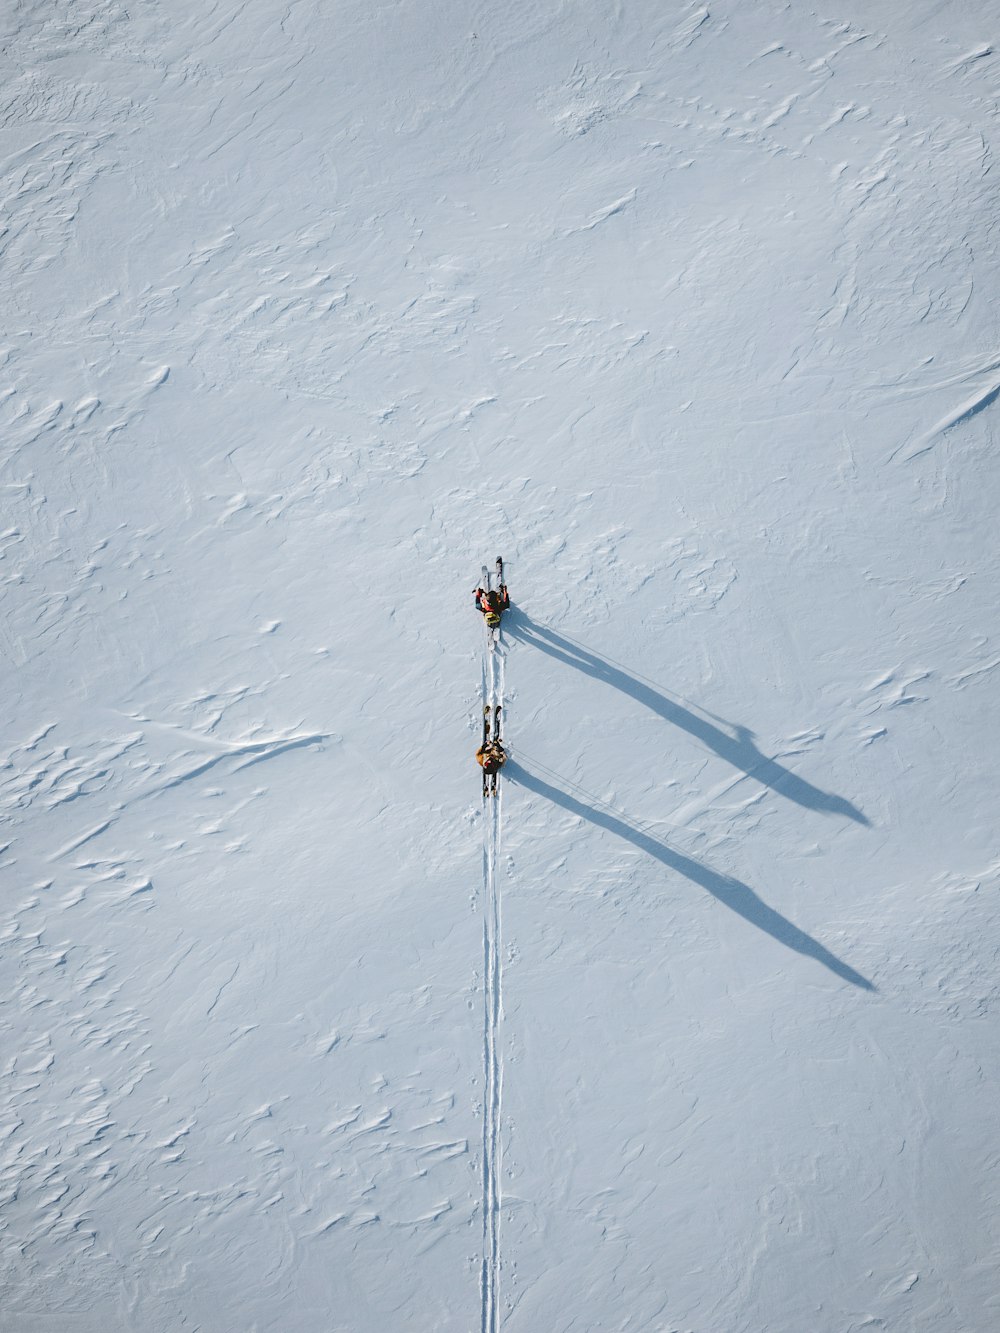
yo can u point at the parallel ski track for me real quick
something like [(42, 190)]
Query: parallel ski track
[(493, 683)]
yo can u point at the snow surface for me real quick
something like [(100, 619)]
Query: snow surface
[(690, 311)]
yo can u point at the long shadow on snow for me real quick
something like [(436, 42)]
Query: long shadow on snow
[(738, 750), (736, 896)]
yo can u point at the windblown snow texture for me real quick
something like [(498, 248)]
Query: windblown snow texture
[(690, 311)]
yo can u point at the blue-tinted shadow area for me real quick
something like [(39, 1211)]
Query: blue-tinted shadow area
[(738, 750), (736, 896)]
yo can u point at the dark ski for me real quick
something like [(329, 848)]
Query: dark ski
[(486, 737), (495, 778), (491, 736)]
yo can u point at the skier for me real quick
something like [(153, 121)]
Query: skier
[(492, 603), (491, 756)]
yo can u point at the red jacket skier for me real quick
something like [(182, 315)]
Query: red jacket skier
[(491, 756), (492, 604)]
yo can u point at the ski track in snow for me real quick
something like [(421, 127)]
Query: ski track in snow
[(493, 671), (493, 1002)]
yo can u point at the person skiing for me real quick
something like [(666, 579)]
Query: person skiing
[(491, 755), (492, 603)]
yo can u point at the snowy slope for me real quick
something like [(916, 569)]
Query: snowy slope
[(689, 311)]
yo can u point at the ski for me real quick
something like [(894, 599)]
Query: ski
[(498, 574), (486, 583), (495, 777), (486, 737), (492, 600), (491, 737)]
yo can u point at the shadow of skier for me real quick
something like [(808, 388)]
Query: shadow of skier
[(737, 750), (735, 895)]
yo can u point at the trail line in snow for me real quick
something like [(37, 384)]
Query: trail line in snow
[(493, 685), (493, 1005)]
